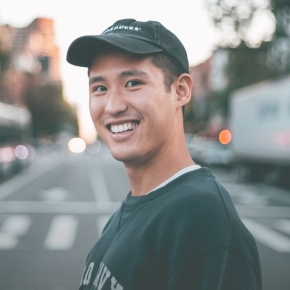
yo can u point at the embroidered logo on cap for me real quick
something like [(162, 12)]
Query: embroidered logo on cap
[(121, 27)]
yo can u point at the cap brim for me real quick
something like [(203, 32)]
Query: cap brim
[(82, 51)]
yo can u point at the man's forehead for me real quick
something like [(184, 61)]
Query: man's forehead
[(113, 52), (129, 63)]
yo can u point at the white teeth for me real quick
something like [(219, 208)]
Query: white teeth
[(114, 129), (123, 128)]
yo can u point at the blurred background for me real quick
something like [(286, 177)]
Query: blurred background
[(58, 181)]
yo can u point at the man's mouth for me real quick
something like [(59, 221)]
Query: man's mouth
[(120, 128)]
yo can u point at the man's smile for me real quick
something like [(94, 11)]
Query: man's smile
[(128, 126)]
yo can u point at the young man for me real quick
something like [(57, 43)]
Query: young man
[(177, 229)]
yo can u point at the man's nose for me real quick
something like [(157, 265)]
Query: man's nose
[(115, 103)]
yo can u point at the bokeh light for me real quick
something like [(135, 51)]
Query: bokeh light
[(225, 137), (200, 137), (21, 152), (7, 154), (77, 145), (95, 147)]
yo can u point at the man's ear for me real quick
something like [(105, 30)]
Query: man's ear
[(183, 89)]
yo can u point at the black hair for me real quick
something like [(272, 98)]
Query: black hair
[(170, 67)]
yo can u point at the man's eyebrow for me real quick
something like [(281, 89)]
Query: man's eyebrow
[(133, 72), (95, 79)]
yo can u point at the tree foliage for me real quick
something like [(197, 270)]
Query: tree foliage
[(279, 52), (239, 20), (4, 64), (4, 61), (253, 22), (255, 36), (50, 112)]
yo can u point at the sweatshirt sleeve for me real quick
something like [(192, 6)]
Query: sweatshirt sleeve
[(218, 269)]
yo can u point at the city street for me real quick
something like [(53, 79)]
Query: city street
[(52, 213)]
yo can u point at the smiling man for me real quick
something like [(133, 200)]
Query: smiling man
[(177, 229)]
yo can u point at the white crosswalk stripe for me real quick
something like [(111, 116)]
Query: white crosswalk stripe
[(62, 233), (12, 229), (267, 236), (283, 225)]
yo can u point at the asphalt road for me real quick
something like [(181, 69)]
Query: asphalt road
[(52, 213)]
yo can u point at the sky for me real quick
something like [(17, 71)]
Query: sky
[(188, 19)]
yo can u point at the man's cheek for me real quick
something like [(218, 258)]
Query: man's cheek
[(94, 111)]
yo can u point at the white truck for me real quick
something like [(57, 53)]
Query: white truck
[(260, 126)]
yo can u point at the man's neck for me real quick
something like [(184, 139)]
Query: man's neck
[(150, 174)]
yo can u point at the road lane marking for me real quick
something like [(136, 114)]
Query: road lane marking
[(267, 236), (283, 226), (98, 184), (12, 228), (68, 207), (55, 194), (101, 222), (262, 211), (275, 193), (62, 232), (252, 198), (267, 191), (31, 173)]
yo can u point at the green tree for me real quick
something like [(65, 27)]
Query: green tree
[(250, 59), (4, 64), (4, 61), (279, 52), (236, 20), (50, 112)]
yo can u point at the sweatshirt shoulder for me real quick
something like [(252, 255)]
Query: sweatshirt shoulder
[(197, 199), (198, 189)]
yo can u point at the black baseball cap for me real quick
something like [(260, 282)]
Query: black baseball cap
[(132, 36)]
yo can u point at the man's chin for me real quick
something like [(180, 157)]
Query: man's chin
[(120, 155), (125, 156)]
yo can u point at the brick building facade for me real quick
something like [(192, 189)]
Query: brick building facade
[(31, 50)]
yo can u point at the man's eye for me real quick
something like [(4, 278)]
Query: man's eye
[(99, 89), (132, 83)]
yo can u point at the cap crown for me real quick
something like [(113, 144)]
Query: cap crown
[(132, 36), (152, 32)]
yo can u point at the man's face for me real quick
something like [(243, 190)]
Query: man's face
[(131, 109)]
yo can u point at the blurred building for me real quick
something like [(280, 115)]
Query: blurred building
[(201, 85), (30, 76), (215, 79), (31, 50), (211, 75), (207, 77)]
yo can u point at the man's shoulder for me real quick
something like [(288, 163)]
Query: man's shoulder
[(195, 187), (198, 195)]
